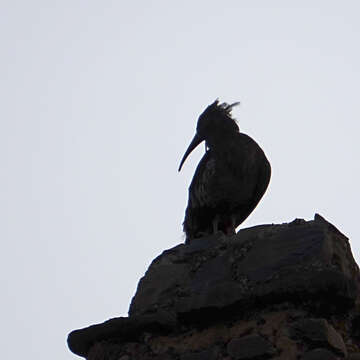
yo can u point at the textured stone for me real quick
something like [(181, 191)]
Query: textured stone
[(257, 287), (273, 322), (287, 348), (209, 354), (319, 354), (354, 356), (126, 329), (318, 332), (160, 357), (188, 342), (250, 347), (270, 263), (355, 326), (97, 352)]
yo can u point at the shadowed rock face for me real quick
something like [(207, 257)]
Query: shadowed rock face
[(268, 263), (269, 292)]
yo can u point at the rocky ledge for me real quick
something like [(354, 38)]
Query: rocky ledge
[(286, 291)]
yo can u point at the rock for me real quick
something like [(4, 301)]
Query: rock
[(318, 332), (319, 354), (127, 329), (271, 291), (299, 261), (355, 325), (288, 348), (209, 354), (250, 347), (354, 356)]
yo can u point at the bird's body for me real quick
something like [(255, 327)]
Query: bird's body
[(230, 179)]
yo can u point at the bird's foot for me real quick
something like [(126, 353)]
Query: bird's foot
[(215, 224), (230, 231)]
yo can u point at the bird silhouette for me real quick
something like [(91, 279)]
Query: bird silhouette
[(230, 179)]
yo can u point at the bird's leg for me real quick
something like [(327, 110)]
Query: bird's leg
[(230, 228), (215, 224)]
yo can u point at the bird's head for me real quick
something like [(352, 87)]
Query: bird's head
[(216, 119), (214, 122)]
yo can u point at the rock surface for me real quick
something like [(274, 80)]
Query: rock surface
[(250, 347), (319, 333), (285, 291), (263, 264)]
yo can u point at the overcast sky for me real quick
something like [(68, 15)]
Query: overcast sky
[(99, 102)]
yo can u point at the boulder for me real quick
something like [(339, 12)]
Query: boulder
[(300, 261), (285, 291)]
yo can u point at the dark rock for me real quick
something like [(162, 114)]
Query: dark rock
[(197, 296), (355, 326), (250, 347), (354, 356), (318, 332), (270, 263), (161, 357), (209, 354), (126, 329), (319, 354)]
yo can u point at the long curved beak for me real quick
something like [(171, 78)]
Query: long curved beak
[(194, 143)]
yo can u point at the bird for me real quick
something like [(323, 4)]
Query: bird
[(229, 180)]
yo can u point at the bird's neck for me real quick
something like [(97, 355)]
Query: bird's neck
[(218, 143)]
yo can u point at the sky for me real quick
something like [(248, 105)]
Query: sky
[(99, 102)]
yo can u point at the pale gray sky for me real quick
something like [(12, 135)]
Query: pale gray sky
[(99, 102)]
